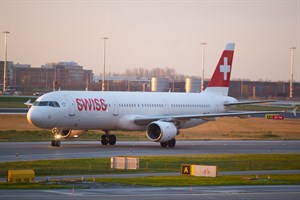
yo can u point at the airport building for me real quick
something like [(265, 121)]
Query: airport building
[(28, 80), (238, 88), (22, 78)]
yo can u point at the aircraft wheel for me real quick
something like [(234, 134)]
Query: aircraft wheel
[(104, 140), (55, 143), (58, 144), (112, 139), (172, 143), (164, 144)]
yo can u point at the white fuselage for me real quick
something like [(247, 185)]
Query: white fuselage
[(88, 110)]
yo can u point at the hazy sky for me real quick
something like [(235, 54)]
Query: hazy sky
[(153, 34)]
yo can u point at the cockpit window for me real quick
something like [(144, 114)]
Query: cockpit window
[(46, 103)]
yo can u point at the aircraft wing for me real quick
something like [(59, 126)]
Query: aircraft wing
[(145, 120), (247, 102)]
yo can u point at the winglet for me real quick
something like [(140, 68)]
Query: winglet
[(27, 103), (294, 111), (219, 82)]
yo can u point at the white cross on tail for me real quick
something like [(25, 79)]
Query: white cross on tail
[(225, 68)]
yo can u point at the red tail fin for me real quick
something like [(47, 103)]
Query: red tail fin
[(219, 82)]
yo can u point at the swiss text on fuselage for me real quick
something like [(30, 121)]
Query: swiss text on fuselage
[(84, 104)]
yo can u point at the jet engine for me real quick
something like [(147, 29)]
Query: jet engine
[(70, 133), (160, 131)]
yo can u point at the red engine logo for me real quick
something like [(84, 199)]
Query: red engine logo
[(91, 104)]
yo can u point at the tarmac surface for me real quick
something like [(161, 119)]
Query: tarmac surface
[(14, 110), (18, 151), (290, 192)]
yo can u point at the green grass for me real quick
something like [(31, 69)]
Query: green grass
[(185, 180), (12, 105), (159, 164), (25, 136), (15, 101), (167, 181), (241, 162)]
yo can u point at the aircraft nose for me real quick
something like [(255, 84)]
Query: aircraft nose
[(33, 117)]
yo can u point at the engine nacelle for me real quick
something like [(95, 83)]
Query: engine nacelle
[(70, 133), (159, 131)]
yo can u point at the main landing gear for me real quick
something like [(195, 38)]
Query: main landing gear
[(56, 142), (108, 139), (170, 143)]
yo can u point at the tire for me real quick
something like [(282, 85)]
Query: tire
[(164, 144), (55, 143), (104, 140), (172, 143), (112, 139)]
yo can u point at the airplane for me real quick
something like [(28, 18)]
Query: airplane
[(160, 114)]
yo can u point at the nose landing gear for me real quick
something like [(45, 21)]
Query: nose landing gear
[(56, 142)]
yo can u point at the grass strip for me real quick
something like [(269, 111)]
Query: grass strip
[(158, 164), (165, 181), (15, 101), (185, 180)]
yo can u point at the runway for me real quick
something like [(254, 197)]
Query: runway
[(14, 111), (291, 192), (18, 151)]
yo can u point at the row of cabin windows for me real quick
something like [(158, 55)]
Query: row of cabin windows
[(161, 105), (141, 105), (55, 104), (190, 105)]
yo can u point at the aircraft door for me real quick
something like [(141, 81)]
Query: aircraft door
[(166, 107), (71, 105), (214, 107), (115, 107)]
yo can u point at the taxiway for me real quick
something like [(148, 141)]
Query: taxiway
[(290, 192)]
